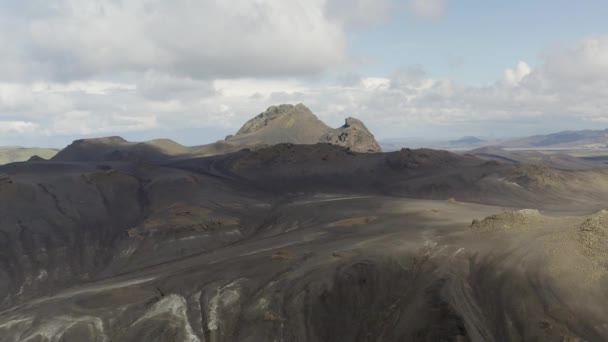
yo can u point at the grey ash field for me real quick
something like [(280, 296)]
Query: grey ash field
[(293, 231)]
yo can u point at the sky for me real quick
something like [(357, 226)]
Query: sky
[(195, 71)]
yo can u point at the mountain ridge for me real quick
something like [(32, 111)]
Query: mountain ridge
[(281, 124), (586, 139)]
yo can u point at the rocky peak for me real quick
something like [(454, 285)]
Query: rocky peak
[(281, 124), (273, 112), (350, 121), (297, 124), (354, 135)]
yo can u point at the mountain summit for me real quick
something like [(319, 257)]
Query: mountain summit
[(298, 125), (282, 124)]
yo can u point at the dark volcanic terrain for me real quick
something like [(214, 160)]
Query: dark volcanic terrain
[(314, 241)]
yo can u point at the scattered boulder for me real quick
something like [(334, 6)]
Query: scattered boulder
[(507, 220), (593, 232)]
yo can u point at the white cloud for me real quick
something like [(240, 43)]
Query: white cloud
[(249, 86), (429, 8), (161, 87), (375, 83), (101, 67), (82, 122), (513, 76), (585, 62), (19, 127), (360, 12), (85, 87), (411, 101), (75, 39)]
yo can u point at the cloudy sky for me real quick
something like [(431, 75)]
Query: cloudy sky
[(195, 70)]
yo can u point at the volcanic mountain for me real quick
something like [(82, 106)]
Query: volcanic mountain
[(281, 124), (294, 124), (298, 125)]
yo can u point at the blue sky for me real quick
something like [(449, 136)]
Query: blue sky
[(195, 71), (481, 37)]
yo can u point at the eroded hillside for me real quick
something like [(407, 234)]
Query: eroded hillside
[(301, 243)]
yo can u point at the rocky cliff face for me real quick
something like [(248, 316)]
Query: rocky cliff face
[(353, 135)]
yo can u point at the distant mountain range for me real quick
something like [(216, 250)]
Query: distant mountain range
[(467, 141), (13, 154), (560, 161), (565, 139), (585, 139), (464, 143), (296, 124)]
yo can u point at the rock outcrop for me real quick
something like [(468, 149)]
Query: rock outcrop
[(507, 220), (353, 135)]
